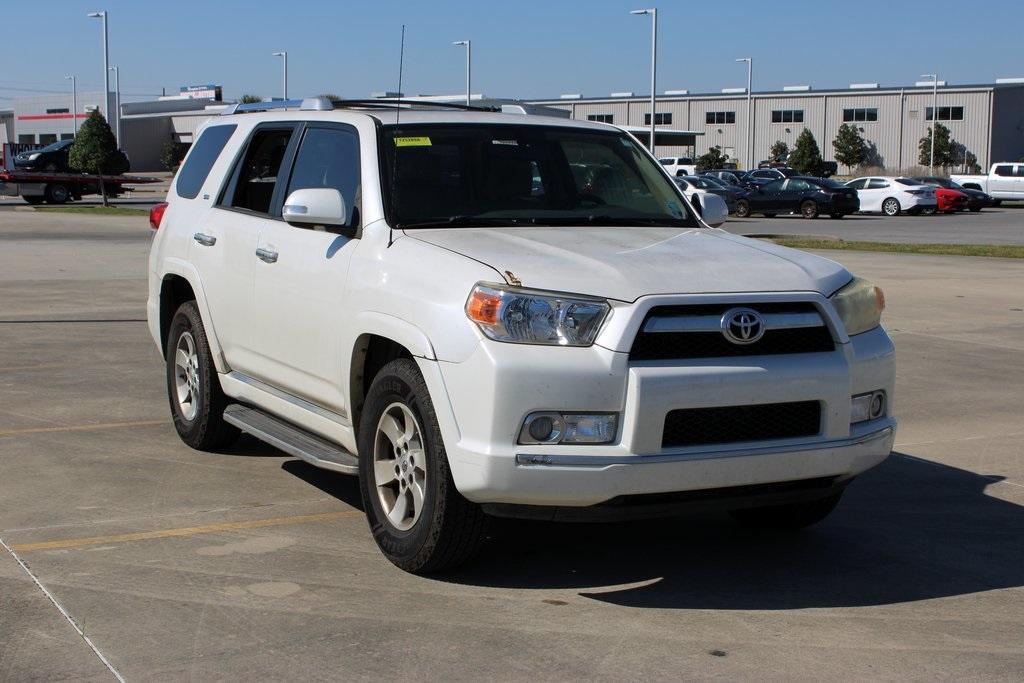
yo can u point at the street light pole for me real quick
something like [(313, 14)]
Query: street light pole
[(284, 56), (935, 117), (117, 103), (74, 102), (654, 63), (750, 73), (468, 44), (106, 62)]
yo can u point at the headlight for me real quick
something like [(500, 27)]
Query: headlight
[(859, 305), (524, 316), (33, 157)]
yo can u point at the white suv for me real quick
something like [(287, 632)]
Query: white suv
[(484, 314)]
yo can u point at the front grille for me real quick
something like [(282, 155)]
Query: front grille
[(713, 344), (731, 424)]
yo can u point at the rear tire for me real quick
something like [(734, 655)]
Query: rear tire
[(418, 518), (891, 207), (975, 209), (742, 208), (57, 193), (197, 401), (809, 210), (789, 517), (769, 215), (35, 200)]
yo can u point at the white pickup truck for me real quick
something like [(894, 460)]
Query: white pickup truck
[(1005, 180), (481, 313)]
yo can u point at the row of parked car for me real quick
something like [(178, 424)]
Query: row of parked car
[(775, 191)]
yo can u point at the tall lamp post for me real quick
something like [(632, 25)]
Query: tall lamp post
[(284, 55), (106, 62), (654, 62), (117, 103), (935, 117), (468, 44), (750, 73), (74, 102)]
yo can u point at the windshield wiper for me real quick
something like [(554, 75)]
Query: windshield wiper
[(465, 221)]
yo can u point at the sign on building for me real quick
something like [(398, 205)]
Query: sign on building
[(202, 92)]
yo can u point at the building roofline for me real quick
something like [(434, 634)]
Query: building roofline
[(718, 95)]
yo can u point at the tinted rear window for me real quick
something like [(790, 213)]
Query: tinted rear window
[(199, 162)]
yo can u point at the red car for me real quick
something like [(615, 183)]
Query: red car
[(950, 200)]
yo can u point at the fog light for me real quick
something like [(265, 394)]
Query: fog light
[(582, 428), (541, 428), (864, 407)]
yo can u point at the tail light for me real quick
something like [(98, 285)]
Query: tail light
[(156, 214)]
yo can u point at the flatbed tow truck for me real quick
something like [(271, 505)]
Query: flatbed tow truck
[(36, 187)]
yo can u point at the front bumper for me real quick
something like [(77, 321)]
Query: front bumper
[(493, 390)]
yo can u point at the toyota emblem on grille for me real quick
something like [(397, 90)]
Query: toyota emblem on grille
[(742, 325)]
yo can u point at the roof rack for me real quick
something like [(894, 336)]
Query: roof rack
[(327, 104)]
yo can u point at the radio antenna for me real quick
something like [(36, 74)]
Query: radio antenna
[(398, 112)]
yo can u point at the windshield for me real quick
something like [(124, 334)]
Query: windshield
[(825, 182), (492, 174), (56, 146)]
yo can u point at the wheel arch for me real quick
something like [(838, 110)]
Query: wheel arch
[(381, 339), (181, 283)]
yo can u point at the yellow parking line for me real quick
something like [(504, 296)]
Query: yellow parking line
[(184, 531), (81, 428)]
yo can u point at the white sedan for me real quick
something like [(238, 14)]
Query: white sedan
[(891, 195)]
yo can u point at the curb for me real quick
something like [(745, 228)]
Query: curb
[(789, 236)]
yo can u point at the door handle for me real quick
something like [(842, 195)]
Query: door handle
[(266, 255), (205, 240)]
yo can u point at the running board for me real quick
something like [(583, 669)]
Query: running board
[(273, 430)]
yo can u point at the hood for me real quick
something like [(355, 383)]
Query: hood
[(628, 263)]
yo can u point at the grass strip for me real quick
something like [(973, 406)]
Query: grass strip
[(94, 210), (992, 250)]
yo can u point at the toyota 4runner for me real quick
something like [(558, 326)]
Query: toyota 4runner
[(484, 313)]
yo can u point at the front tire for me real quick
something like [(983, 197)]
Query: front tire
[(197, 401), (418, 518), (788, 517), (891, 207), (809, 210)]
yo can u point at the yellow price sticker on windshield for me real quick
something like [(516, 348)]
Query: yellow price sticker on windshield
[(412, 142)]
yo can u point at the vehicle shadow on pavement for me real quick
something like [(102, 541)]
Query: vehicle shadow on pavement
[(908, 530), (341, 486)]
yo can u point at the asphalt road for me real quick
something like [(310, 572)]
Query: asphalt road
[(250, 565), (999, 225)]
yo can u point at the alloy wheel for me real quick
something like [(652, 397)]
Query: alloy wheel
[(186, 375), (399, 466)]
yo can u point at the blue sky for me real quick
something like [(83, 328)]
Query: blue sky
[(528, 48)]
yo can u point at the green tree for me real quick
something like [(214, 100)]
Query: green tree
[(95, 150), (944, 147), (249, 99), (778, 150), (850, 148), (712, 159), (171, 155), (806, 157)]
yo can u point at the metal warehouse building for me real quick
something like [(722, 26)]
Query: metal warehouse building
[(987, 119)]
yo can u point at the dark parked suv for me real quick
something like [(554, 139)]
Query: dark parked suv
[(804, 195), (53, 157)]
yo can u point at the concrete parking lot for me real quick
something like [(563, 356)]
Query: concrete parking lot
[(250, 565), (997, 225)]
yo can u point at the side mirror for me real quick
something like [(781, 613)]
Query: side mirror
[(715, 210), (315, 206)]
